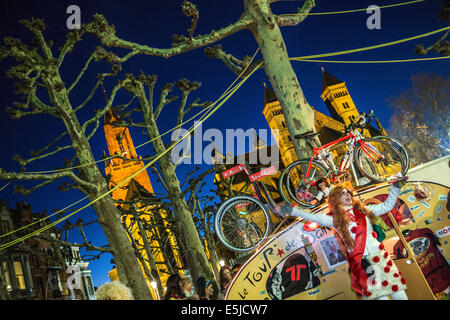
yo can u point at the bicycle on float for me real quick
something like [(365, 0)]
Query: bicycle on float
[(243, 222), (379, 159)]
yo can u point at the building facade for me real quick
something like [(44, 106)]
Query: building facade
[(35, 269)]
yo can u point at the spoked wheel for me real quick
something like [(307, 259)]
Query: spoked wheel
[(242, 223), (294, 186), (379, 160), (400, 148)]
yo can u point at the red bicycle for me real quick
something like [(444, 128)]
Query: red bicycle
[(375, 158)]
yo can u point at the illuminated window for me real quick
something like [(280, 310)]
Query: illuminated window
[(19, 275), (89, 286)]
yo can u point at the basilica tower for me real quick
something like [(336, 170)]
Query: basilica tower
[(339, 103), (119, 142)]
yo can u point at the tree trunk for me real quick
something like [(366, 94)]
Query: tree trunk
[(297, 112), (150, 258), (186, 232), (213, 255), (4, 295), (107, 213)]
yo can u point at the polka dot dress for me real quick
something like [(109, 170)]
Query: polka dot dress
[(384, 277)]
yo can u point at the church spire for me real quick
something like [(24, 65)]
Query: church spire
[(269, 95), (328, 80)]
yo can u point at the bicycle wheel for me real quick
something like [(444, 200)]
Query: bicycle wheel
[(242, 223), (281, 183), (294, 186), (378, 160), (400, 148)]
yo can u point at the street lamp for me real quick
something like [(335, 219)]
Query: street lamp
[(153, 284), (222, 263)]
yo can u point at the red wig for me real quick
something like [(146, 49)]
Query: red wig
[(340, 218)]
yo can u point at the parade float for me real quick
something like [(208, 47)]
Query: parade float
[(304, 262)]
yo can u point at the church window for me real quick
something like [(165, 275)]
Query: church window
[(277, 112), (345, 105)]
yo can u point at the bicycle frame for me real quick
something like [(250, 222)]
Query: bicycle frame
[(258, 187), (355, 138)]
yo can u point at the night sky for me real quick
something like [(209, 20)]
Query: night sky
[(154, 22)]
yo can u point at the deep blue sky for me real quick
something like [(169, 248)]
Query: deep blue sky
[(154, 22)]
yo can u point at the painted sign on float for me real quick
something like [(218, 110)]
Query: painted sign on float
[(282, 268)]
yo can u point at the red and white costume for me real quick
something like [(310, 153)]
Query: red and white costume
[(373, 273)]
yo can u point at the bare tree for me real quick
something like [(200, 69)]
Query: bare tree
[(421, 118), (204, 206), (265, 27), (38, 66), (142, 88), (441, 46)]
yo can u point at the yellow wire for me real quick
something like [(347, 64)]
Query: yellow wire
[(4, 246), (294, 59), (114, 156), (53, 214), (228, 95), (350, 11), (227, 91), (372, 61), (5, 185), (141, 145), (370, 47), (304, 58)]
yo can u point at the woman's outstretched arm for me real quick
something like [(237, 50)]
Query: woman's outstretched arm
[(321, 219), (389, 203)]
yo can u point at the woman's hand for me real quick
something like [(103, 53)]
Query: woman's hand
[(285, 210), (400, 182)]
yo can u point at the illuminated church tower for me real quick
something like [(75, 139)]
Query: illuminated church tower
[(118, 140), (339, 103), (165, 255)]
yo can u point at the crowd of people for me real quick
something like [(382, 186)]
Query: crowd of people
[(178, 287), (182, 288)]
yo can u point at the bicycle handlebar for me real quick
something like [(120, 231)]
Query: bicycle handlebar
[(361, 121)]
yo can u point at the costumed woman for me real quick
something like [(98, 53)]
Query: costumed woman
[(373, 273)]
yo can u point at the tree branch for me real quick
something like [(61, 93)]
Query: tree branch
[(26, 192), (234, 64), (45, 176), (163, 100), (295, 19), (190, 10), (77, 79), (440, 47), (107, 35), (101, 113), (24, 162)]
